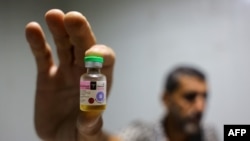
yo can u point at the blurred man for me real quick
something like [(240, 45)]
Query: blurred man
[(184, 97), (57, 114)]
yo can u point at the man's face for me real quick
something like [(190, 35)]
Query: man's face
[(187, 103)]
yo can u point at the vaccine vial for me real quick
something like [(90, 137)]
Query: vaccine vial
[(93, 85)]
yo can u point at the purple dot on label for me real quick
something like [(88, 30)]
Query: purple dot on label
[(100, 96)]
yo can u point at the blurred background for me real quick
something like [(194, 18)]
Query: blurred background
[(149, 38)]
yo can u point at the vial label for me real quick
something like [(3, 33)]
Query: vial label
[(92, 93)]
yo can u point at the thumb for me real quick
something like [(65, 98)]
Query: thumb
[(89, 123)]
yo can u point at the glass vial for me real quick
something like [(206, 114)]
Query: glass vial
[(93, 85)]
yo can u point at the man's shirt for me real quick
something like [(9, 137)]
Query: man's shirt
[(142, 131)]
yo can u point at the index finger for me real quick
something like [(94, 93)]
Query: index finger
[(81, 35)]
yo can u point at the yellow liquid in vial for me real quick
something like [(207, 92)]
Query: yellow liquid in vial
[(92, 107), (94, 76)]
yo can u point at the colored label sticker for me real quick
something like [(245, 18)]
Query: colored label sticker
[(92, 93)]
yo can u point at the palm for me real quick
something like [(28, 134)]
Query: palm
[(57, 100), (57, 92)]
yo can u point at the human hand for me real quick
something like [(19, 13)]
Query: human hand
[(57, 114)]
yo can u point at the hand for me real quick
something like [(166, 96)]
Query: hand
[(57, 90)]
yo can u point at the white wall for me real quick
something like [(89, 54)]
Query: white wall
[(150, 38)]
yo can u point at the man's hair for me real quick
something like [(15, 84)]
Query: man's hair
[(172, 81)]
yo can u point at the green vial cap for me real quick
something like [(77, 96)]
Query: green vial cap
[(93, 59)]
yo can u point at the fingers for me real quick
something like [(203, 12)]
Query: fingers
[(55, 22), (39, 47), (80, 33)]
